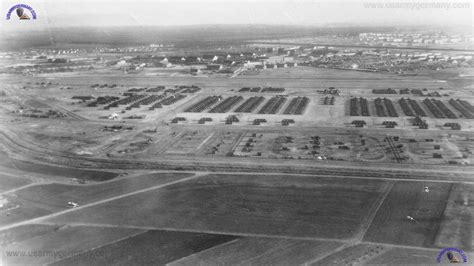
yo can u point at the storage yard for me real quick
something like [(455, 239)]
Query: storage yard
[(245, 111), (237, 155)]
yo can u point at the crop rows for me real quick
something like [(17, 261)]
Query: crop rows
[(82, 98), (250, 104), (364, 107), (156, 89), (379, 107), (438, 109), (248, 89), (467, 105), (390, 108), (384, 91), (273, 105), (447, 112), (359, 106), (129, 99), (226, 105), (191, 90), (270, 89), (461, 109), (203, 104), (297, 106), (416, 108), (433, 109), (148, 100), (354, 107), (167, 101), (103, 100), (173, 99), (136, 89), (405, 107)]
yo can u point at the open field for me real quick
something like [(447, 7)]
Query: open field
[(150, 248), (8, 182), (39, 200), (391, 225), (356, 254), (45, 169), (457, 226), (118, 155), (367, 254), (239, 206), (260, 251), (243, 204), (60, 240), (406, 256)]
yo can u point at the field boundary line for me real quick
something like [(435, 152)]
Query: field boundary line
[(156, 228), (349, 242), (38, 219), (205, 140), (202, 251), (329, 253), (100, 246), (401, 246), (365, 226)]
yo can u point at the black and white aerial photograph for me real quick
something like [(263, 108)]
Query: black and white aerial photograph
[(236, 132)]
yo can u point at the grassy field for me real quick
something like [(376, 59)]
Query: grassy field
[(8, 182), (457, 227), (366, 254), (150, 248), (62, 240), (41, 200), (260, 251), (66, 172), (391, 225), (353, 255), (406, 256), (24, 232), (308, 207)]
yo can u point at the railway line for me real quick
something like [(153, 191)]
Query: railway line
[(224, 164), (394, 149), (62, 109)]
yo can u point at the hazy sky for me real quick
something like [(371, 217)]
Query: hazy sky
[(136, 13)]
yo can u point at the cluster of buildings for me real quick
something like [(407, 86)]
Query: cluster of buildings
[(265, 65), (270, 56), (47, 68), (136, 49), (412, 39), (74, 52), (41, 53), (383, 60), (223, 62)]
